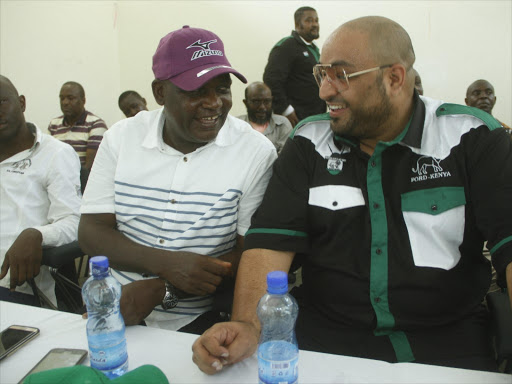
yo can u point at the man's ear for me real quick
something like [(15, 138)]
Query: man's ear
[(23, 103), (158, 91), (466, 101), (245, 102), (397, 77), (144, 101)]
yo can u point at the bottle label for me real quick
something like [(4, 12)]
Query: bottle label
[(278, 371), (108, 358)]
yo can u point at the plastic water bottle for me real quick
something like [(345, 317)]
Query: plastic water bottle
[(278, 352), (105, 325)]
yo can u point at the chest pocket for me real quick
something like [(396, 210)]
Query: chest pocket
[(335, 197), (435, 220)]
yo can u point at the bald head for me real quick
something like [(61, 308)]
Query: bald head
[(14, 130), (5, 82), (388, 42), (480, 94), (258, 101), (256, 86)]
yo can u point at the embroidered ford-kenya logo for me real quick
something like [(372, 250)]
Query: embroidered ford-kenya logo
[(335, 164), (428, 168)]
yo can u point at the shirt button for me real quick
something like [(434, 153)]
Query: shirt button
[(161, 241), (335, 203), (376, 205), (185, 159), (378, 251), (377, 300), (173, 201), (373, 164), (433, 207)]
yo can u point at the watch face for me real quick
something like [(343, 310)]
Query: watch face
[(170, 301)]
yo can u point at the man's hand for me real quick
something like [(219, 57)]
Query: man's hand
[(139, 298), (196, 274), (224, 344), (293, 118), (23, 258)]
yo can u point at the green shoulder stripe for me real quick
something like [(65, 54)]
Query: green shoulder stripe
[(456, 109), (283, 40), (321, 117), (500, 244)]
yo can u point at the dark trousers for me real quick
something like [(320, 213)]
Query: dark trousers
[(205, 321), (464, 344), (18, 297)]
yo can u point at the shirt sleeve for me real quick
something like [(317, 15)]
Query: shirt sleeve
[(257, 183), (284, 132), (99, 194), (276, 74), (63, 188), (490, 168), (97, 130), (280, 223)]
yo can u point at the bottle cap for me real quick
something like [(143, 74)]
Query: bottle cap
[(98, 265), (277, 282)]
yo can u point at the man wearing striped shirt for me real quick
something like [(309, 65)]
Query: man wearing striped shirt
[(169, 204), (79, 128)]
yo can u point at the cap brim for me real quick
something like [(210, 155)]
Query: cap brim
[(195, 78)]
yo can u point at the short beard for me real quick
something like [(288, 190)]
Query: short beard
[(365, 121), (262, 121)]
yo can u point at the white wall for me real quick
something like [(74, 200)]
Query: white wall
[(108, 46)]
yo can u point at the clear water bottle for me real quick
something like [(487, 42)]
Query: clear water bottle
[(278, 352), (105, 324)]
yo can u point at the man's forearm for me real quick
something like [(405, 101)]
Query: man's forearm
[(97, 236), (251, 281)]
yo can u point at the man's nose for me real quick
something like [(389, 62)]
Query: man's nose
[(212, 100), (327, 89)]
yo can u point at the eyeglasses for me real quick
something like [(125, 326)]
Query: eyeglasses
[(257, 102), (335, 74)]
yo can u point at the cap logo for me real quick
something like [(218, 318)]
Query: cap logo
[(205, 49)]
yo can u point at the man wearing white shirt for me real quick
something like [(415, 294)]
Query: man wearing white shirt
[(170, 202), (39, 198)]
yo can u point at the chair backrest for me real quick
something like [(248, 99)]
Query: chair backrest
[(501, 316)]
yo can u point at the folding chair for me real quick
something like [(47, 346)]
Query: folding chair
[(501, 317), (61, 262)]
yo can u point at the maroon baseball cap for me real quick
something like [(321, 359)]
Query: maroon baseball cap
[(190, 57)]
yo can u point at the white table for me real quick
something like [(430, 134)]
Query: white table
[(172, 353)]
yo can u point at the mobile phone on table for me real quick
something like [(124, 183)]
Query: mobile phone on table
[(14, 337), (58, 358)]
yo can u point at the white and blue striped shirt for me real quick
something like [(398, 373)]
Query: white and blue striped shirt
[(164, 199)]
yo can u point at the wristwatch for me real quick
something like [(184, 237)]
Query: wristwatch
[(170, 299)]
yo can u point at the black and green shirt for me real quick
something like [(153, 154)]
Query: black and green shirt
[(393, 242)]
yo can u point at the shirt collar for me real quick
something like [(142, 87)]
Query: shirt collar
[(154, 136), (37, 136), (80, 120)]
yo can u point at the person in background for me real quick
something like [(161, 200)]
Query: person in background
[(480, 94), (80, 128), (169, 204), (258, 101), (417, 82), (131, 103), (389, 213), (39, 199), (288, 72)]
